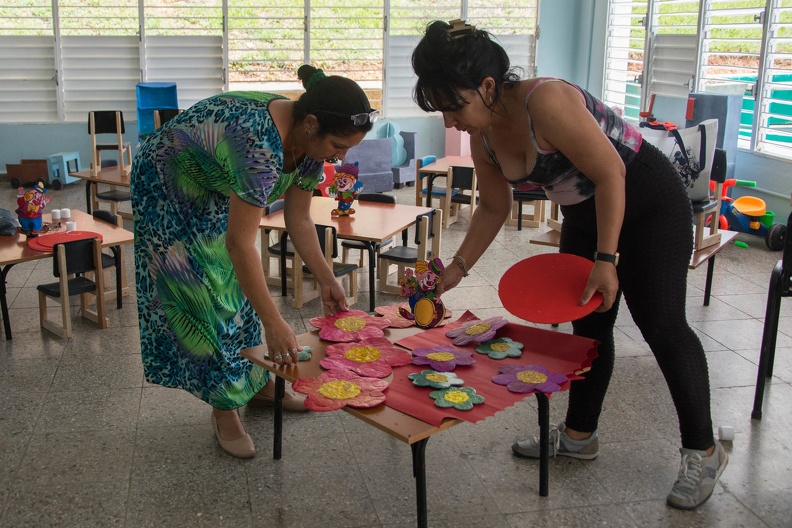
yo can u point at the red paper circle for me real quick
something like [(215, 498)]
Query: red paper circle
[(546, 288), (47, 242)]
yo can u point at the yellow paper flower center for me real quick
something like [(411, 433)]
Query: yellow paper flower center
[(350, 324), (531, 376), (456, 396), (437, 378), (363, 354), (440, 356), (339, 390), (478, 328), (500, 347)]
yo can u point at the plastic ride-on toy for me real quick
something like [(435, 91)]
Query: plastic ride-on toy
[(748, 214)]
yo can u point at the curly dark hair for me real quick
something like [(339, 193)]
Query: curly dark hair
[(447, 64), (328, 96)]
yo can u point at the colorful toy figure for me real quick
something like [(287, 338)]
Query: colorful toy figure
[(31, 207), (419, 287), (345, 189)]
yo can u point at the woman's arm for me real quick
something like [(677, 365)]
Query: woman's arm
[(302, 232), (243, 230), (495, 203), (562, 121)]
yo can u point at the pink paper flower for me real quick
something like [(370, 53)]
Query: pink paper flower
[(529, 378), (442, 358), (371, 357), (391, 313), (335, 389), (476, 330), (352, 325)]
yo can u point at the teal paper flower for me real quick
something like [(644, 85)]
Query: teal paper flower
[(436, 380), (460, 398), (304, 354), (500, 348)]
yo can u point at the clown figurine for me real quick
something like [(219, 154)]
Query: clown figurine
[(426, 309), (31, 207), (345, 189)]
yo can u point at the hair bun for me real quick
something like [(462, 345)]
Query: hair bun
[(310, 76)]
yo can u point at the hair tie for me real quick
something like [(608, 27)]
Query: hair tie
[(459, 28), (315, 79)]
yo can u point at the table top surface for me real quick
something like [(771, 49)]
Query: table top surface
[(108, 175), (397, 424), (372, 221), (14, 248), (442, 164)]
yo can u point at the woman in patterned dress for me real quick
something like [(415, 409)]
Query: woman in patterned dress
[(199, 185), (624, 207)]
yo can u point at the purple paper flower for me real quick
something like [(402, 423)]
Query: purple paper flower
[(442, 358), (529, 378), (476, 330)]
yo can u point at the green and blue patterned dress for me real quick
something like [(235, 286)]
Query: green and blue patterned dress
[(194, 318)]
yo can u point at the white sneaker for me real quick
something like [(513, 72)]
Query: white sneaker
[(697, 477)]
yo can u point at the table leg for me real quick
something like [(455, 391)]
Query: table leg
[(88, 196), (284, 289), (708, 284), (4, 301), (419, 472), (372, 255), (280, 392), (544, 443)]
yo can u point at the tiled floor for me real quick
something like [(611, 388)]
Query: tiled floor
[(85, 441)]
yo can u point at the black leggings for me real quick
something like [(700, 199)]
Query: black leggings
[(655, 245)]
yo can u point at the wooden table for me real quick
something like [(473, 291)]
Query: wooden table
[(372, 223), (436, 169), (406, 428), (14, 250), (553, 238), (108, 175)]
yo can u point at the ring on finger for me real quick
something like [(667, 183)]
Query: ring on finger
[(278, 357)]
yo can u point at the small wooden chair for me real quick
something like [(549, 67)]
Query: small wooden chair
[(328, 240), (74, 258), (108, 122), (420, 177), (461, 189), (706, 213), (164, 115), (427, 231)]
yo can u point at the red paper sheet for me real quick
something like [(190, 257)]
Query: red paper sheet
[(558, 352)]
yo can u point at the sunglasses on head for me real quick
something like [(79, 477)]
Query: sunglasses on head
[(357, 119)]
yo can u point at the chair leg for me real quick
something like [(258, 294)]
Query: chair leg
[(769, 335)]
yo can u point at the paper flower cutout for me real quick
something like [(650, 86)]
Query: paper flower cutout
[(443, 358), (396, 320), (500, 348), (352, 325), (305, 354), (436, 380), (529, 378), (476, 330), (335, 389), (460, 398), (371, 357)]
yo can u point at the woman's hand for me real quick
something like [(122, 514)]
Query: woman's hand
[(281, 342), (452, 275), (603, 279), (333, 298)]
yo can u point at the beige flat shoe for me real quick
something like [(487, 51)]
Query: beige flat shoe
[(242, 447), (292, 401)]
